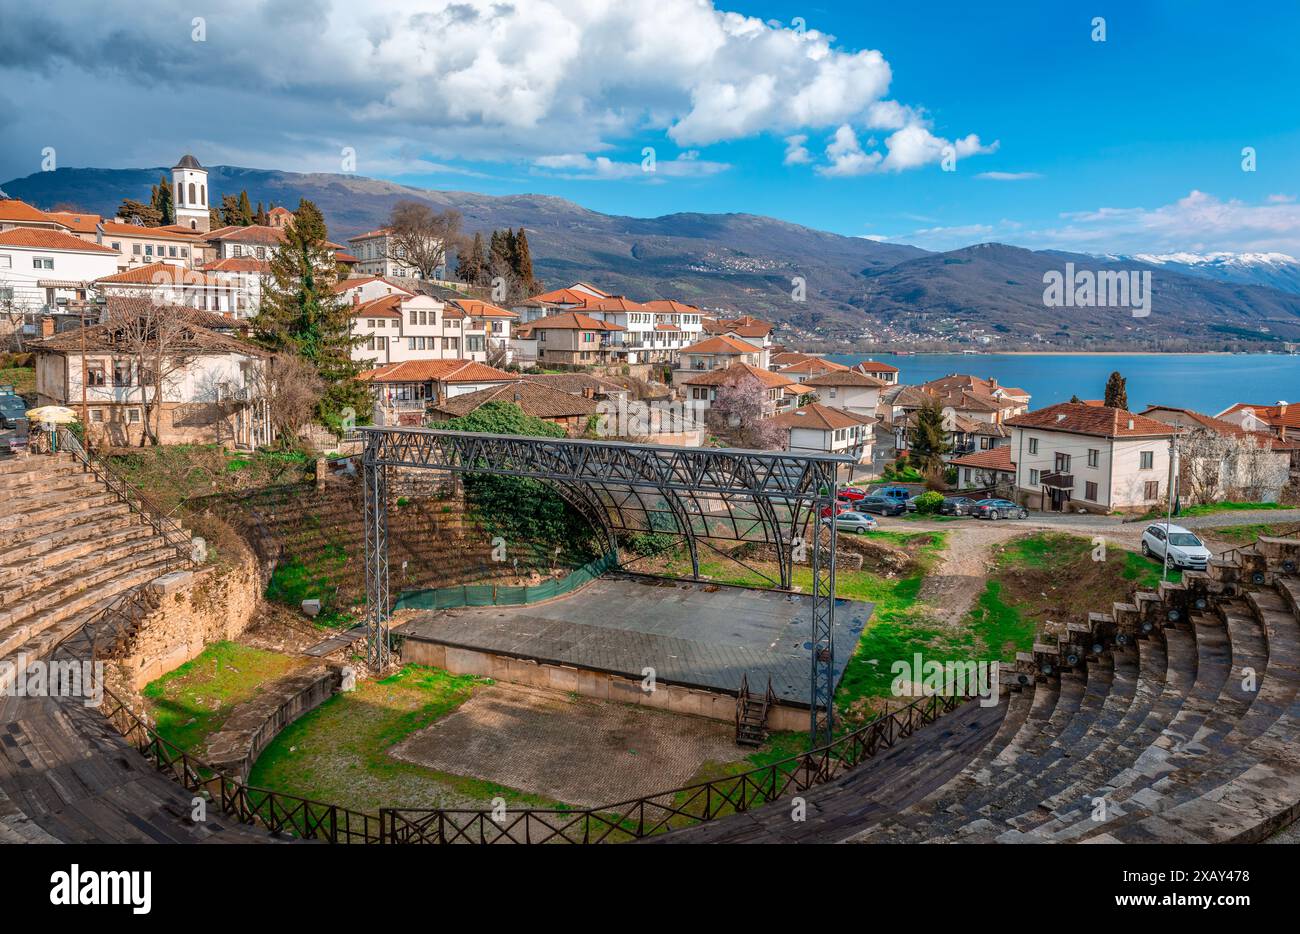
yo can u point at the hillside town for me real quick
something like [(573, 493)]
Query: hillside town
[(156, 333)]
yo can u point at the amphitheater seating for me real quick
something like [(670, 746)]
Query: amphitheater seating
[(1174, 718), (71, 549)]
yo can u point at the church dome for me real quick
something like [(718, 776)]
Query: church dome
[(187, 162)]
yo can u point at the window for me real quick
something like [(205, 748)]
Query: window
[(6, 294), (184, 251), (1062, 462), (236, 250), (148, 249), (97, 416), (42, 262), (261, 252), (1093, 457), (95, 374), (117, 246), (192, 201), (1146, 459), (699, 392), (410, 343), (122, 373), (413, 316), (171, 251), (1033, 476), (1090, 491), (133, 415), (1033, 445), (966, 474), (1151, 489), (135, 248)]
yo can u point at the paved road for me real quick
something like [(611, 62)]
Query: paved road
[(1094, 523)]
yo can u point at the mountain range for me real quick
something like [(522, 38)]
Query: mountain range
[(824, 286)]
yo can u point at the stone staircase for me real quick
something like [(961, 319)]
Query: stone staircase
[(71, 548), (1174, 718)]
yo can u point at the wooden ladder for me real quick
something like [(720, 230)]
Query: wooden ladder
[(751, 713)]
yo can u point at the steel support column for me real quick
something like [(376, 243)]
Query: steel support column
[(822, 717), (375, 483)]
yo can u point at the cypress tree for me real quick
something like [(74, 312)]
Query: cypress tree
[(1116, 391), (929, 440), (245, 209), (301, 314), (261, 218), (471, 264), (162, 200), (524, 261)]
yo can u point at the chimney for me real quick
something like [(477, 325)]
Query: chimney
[(356, 299), (993, 381), (1281, 407), (47, 326), (1130, 424)]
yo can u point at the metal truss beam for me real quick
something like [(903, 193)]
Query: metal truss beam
[(709, 492)]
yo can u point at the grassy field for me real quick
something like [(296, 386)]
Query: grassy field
[(1049, 576), (1206, 509), (22, 378), (339, 751), (192, 702)]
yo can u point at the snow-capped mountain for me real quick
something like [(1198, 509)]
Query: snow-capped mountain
[(1273, 269)]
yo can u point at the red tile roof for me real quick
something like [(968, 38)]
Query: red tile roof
[(1219, 425), (738, 371), (722, 344), (385, 306), (81, 223), (820, 417), (254, 233), (1281, 415), (443, 371), (242, 264), (41, 238), (992, 459), (535, 399), (814, 365), (479, 309), (672, 306), (354, 282), (160, 274), (844, 378), (1101, 421), (572, 321), (13, 210), (874, 366)]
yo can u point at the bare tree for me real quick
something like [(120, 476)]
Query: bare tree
[(291, 388), (1217, 466), (14, 312), (1204, 455), (152, 337), (421, 237), (738, 415)]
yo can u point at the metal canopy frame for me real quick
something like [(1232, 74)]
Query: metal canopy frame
[(768, 497)]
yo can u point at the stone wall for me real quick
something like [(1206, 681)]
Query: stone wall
[(194, 608), (252, 726), (598, 684)]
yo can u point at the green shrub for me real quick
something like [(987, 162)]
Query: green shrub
[(929, 503)]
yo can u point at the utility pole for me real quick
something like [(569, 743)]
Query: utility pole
[(1169, 512)]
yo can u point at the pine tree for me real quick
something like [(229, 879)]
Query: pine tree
[(1116, 391), (524, 262), (301, 314), (929, 441), (230, 213), (245, 210)]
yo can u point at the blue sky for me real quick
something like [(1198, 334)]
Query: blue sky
[(1128, 145)]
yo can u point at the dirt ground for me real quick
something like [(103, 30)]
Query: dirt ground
[(569, 748)]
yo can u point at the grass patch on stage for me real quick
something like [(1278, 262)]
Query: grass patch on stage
[(191, 703), (339, 752)]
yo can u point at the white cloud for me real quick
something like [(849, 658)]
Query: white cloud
[(582, 166), (910, 147), (470, 79), (1008, 176), (796, 153)]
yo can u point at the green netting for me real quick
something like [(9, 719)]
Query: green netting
[(445, 598)]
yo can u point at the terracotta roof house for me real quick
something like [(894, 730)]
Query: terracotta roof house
[(403, 391), (989, 469), (1072, 456), (206, 391), (1221, 459), (15, 213), (701, 387), (820, 429), (569, 338), (571, 412), (847, 389), (881, 371), (1281, 418)]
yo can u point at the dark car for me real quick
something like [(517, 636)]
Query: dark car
[(1000, 509), (12, 408), (957, 506), (899, 494), (882, 505)]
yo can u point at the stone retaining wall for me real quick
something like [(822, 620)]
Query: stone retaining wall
[(589, 683), (253, 725)]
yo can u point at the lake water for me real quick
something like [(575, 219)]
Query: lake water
[(1205, 382)]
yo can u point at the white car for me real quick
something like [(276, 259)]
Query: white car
[(856, 522), (1185, 549)]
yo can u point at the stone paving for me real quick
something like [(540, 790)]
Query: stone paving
[(698, 635), (572, 750)]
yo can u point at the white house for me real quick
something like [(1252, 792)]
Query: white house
[(40, 269), (820, 429), (1073, 455), (378, 255), (846, 389), (701, 388), (717, 353), (400, 326)]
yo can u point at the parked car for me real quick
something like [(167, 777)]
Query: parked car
[(1000, 509), (957, 506), (12, 408), (839, 508), (911, 502), (856, 522), (1184, 548), (852, 493), (882, 505), (898, 493)]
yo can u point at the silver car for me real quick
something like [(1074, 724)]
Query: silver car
[(858, 523), (1185, 549)]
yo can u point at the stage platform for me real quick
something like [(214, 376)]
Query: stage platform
[(696, 635)]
